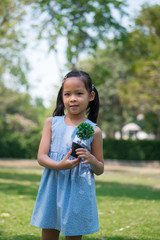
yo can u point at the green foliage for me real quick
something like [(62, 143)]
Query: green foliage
[(82, 23), (85, 131), (150, 123), (131, 149), (111, 70), (12, 44), (149, 21), (20, 124), (13, 102), (20, 146), (126, 73), (140, 50)]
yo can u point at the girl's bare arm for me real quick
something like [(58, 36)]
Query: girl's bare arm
[(43, 151)]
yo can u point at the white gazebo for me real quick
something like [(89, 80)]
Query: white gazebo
[(130, 130), (131, 127)]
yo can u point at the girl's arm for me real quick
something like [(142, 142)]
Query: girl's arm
[(96, 158), (43, 151)]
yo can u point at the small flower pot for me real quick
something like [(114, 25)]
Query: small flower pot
[(84, 132), (74, 147)]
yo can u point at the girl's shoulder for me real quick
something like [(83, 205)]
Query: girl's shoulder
[(97, 130), (97, 138), (48, 122)]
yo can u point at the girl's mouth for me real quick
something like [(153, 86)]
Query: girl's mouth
[(73, 106)]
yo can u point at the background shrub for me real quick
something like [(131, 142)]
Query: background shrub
[(26, 147), (131, 149)]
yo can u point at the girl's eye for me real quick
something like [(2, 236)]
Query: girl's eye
[(67, 94), (79, 93)]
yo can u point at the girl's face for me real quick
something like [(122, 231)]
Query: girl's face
[(75, 96)]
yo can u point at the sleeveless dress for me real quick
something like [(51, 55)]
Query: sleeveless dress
[(66, 199)]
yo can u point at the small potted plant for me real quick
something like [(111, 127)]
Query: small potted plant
[(84, 132)]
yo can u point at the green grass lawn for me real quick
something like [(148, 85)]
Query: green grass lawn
[(128, 204)]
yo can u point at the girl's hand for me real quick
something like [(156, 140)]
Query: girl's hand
[(95, 159), (96, 165), (66, 163), (83, 153)]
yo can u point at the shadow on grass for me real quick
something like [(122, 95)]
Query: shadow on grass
[(19, 189), (20, 237), (111, 238), (30, 237), (134, 191), (29, 186), (116, 238), (20, 176), (103, 189)]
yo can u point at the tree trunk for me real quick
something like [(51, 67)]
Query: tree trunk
[(73, 66)]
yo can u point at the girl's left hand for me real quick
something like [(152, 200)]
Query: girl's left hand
[(83, 153)]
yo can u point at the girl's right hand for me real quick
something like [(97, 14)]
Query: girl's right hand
[(66, 163)]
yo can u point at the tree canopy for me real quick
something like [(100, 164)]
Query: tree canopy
[(141, 49), (13, 63), (126, 70), (20, 116), (83, 24), (127, 73), (106, 70)]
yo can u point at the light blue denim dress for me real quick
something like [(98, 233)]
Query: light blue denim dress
[(66, 199)]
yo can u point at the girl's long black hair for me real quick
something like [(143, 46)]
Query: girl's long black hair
[(93, 106)]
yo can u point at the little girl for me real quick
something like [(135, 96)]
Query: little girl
[(66, 200)]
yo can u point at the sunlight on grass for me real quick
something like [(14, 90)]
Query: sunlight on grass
[(128, 204)]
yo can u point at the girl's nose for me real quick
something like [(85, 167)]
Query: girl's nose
[(73, 98)]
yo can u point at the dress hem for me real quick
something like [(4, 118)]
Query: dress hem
[(68, 234)]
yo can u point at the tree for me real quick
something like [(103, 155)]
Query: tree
[(141, 48), (20, 116), (20, 124), (13, 102), (82, 23), (13, 64), (107, 70)]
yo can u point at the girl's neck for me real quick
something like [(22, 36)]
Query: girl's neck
[(74, 120)]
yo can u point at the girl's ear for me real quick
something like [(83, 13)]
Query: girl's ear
[(92, 96)]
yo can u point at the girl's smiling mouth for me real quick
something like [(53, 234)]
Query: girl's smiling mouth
[(73, 106)]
